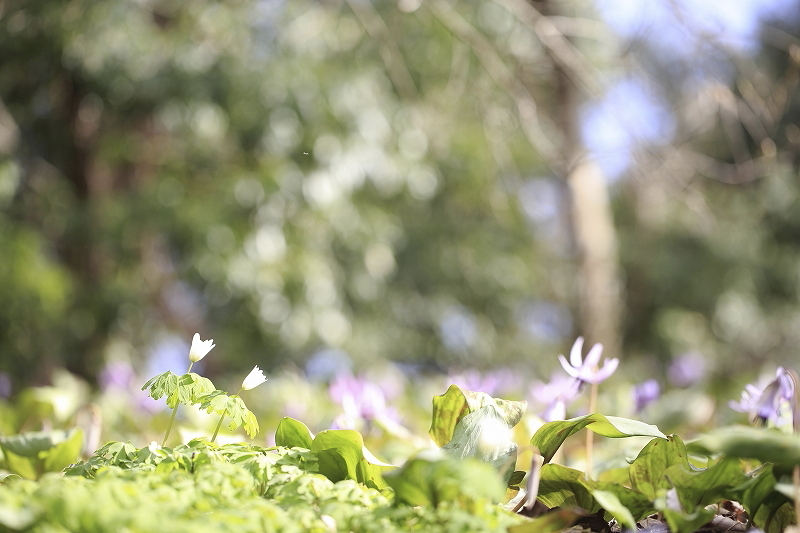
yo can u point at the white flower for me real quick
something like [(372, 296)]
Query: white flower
[(199, 348), (254, 379)]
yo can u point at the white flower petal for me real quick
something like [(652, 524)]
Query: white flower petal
[(255, 378), (199, 348)]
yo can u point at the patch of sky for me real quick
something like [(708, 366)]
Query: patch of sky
[(545, 321), (697, 34), (458, 329), (629, 114)]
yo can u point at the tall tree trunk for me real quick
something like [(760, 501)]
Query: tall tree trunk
[(599, 288)]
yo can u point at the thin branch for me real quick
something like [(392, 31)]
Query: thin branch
[(580, 71), (502, 76), (387, 48)]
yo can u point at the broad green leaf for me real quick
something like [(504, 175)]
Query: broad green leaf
[(516, 478), (766, 445), (485, 435), (647, 471), (32, 454), (637, 504), (64, 453), (342, 449), (775, 519), (679, 522), (549, 438), (33, 443), (291, 433), (759, 490), (5, 475), (25, 467), (433, 479), (560, 486), (555, 521), (611, 503), (704, 487), (455, 404)]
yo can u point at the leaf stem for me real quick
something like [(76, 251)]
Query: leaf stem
[(219, 424), (590, 434), (174, 412)]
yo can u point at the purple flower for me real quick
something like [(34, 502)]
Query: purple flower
[(587, 370), (686, 369), (646, 392), (359, 399), (765, 404), (492, 382), (555, 395)]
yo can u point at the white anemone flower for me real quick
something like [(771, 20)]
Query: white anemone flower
[(199, 348), (255, 378)]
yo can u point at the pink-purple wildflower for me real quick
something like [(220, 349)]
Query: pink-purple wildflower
[(764, 404), (645, 393), (587, 370)]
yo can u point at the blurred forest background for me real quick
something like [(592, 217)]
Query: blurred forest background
[(443, 184)]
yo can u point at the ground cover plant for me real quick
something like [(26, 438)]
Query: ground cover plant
[(731, 478)]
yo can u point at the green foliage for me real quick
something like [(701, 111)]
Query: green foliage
[(432, 480), (549, 438), (230, 406), (238, 487), (186, 389), (30, 455), (291, 433), (765, 445), (649, 469), (455, 404), (484, 435)]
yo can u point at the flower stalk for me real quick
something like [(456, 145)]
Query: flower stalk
[(197, 351), (255, 378)]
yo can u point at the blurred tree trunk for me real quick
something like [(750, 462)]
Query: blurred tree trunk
[(592, 224)]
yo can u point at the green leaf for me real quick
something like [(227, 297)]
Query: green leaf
[(33, 443), (611, 503), (516, 478), (339, 451), (485, 435), (555, 521), (648, 469), (165, 384), (291, 433), (637, 504), (31, 454), (679, 522), (455, 404), (704, 487), (64, 453), (5, 475), (560, 486), (219, 402), (759, 490), (766, 445), (549, 438), (431, 479)]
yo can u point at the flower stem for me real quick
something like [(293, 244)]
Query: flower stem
[(219, 424), (590, 434), (174, 412)]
